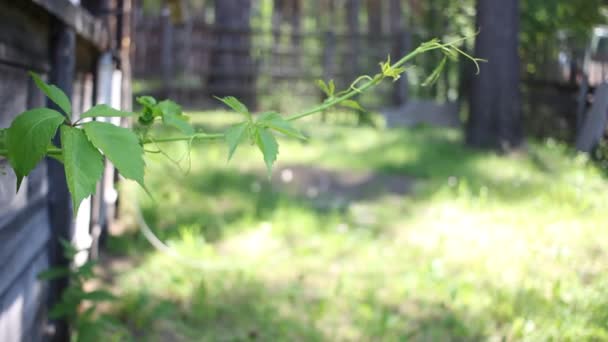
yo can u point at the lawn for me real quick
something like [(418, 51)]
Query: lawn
[(364, 234)]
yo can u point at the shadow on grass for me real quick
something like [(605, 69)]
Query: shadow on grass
[(438, 158)]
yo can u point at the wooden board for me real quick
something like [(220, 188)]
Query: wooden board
[(595, 121)]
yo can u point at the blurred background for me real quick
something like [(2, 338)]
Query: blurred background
[(389, 224), (471, 209)]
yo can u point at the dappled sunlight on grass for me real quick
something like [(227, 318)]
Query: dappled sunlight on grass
[(481, 246)]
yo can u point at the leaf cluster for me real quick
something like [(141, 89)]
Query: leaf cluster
[(29, 139), (71, 303), (258, 131), (168, 111), (85, 142)]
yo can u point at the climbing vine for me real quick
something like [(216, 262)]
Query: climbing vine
[(85, 142)]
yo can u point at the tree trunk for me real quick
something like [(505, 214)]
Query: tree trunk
[(495, 119)]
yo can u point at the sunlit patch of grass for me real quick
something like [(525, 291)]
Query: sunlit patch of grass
[(485, 247)]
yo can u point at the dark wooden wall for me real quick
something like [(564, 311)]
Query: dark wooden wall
[(28, 238)]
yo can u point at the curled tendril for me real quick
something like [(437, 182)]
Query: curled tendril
[(177, 162), (451, 50)]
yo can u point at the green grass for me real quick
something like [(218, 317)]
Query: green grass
[(484, 247)]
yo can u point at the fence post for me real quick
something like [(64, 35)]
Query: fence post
[(329, 56), (63, 54), (166, 54), (400, 88)]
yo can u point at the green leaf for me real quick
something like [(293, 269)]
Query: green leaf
[(352, 104), (434, 76), (98, 296), (234, 136), (105, 111), (235, 104), (146, 101), (178, 121), (61, 310), (54, 273), (3, 133), (390, 71), (121, 146), (172, 116), (275, 121), (69, 251), (268, 146), (328, 89), (169, 107), (82, 162), (54, 93), (28, 138)]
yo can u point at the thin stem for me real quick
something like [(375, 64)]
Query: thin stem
[(51, 150), (374, 81), (198, 136), (429, 46)]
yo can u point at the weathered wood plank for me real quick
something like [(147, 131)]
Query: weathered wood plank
[(595, 121), (23, 36), (85, 25), (21, 240), (16, 94), (22, 306)]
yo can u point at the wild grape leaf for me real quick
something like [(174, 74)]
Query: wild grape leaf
[(54, 93), (98, 296), (328, 89), (172, 116), (434, 76), (82, 162), (352, 104), (169, 107), (54, 273), (234, 136), (275, 121), (28, 138), (178, 121), (146, 101), (105, 111), (3, 132), (269, 147), (121, 146), (235, 104)]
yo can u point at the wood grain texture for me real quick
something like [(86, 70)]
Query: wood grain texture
[(85, 25)]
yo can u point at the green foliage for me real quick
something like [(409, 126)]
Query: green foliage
[(54, 94), (391, 71), (268, 146), (327, 88), (236, 135), (121, 146), (87, 324), (104, 110), (28, 137), (168, 111), (82, 162), (236, 105), (173, 116), (434, 264), (276, 122), (434, 76)]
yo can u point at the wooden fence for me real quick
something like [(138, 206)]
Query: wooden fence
[(181, 61), (62, 42)]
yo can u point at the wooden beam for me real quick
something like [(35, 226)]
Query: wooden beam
[(83, 23)]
